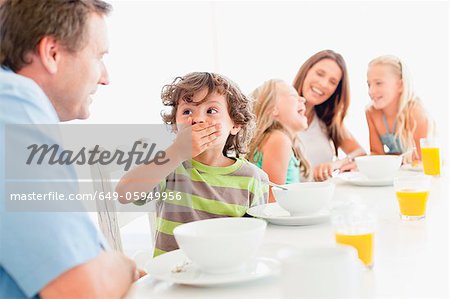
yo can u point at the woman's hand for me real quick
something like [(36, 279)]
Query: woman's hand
[(323, 171), (348, 166)]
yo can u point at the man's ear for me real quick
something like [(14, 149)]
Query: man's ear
[(49, 52), (235, 129)]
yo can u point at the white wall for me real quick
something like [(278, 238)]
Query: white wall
[(152, 42)]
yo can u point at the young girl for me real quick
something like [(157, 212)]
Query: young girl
[(280, 115), (204, 175), (396, 118)]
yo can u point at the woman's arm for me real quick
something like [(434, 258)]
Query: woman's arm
[(277, 151)]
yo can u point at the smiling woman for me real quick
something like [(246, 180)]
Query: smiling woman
[(323, 81)]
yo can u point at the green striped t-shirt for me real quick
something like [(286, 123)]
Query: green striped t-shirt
[(202, 192)]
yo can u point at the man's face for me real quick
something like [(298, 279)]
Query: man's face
[(79, 73)]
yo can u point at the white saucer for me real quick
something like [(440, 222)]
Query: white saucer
[(175, 267), (273, 213), (358, 179)]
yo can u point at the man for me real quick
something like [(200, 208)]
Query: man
[(51, 62)]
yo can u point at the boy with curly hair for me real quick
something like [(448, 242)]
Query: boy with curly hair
[(213, 121)]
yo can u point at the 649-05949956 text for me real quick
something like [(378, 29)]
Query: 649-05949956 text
[(130, 196)]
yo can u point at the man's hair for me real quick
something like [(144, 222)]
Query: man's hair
[(23, 24), (239, 106)]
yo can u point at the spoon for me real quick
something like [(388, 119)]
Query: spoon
[(349, 158)]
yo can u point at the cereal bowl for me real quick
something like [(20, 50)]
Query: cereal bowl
[(379, 166), (220, 245), (304, 198)]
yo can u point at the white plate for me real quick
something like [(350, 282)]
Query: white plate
[(273, 213), (358, 179), (175, 267)]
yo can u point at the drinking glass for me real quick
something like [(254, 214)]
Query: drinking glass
[(431, 159), (412, 195), (354, 225)]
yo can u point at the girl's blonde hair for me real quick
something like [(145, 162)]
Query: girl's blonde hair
[(406, 124), (264, 100), (333, 111)]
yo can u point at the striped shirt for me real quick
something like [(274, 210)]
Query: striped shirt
[(202, 192)]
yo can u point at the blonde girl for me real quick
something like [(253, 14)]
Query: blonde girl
[(396, 117), (275, 147)]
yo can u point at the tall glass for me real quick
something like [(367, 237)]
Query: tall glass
[(354, 226), (431, 159), (412, 195)]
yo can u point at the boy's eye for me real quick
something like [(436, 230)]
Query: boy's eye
[(187, 112), (212, 111)]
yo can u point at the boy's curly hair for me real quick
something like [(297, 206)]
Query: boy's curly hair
[(239, 106)]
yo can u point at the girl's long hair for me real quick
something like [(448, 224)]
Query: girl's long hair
[(406, 124), (264, 99)]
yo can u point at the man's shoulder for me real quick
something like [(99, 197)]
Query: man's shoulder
[(13, 84), (24, 100)]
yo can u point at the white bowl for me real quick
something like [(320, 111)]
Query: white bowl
[(379, 166), (304, 198), (220, 245)]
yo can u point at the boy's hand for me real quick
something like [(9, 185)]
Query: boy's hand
[(198, 137)]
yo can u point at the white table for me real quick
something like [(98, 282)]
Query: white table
[(411, 258)]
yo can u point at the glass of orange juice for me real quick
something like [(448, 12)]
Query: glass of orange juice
[(431, 159), (354, 226), (412, 195)]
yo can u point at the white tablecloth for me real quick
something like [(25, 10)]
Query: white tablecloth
[(411, 258)]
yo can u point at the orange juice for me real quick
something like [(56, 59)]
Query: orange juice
[(412, 202), (431, 160), (363, 243)]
